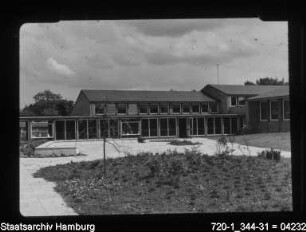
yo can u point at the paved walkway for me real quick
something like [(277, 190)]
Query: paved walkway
[(38, 197)]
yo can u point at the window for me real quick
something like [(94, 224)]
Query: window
[(210, 126), (164, 109), (153, 109), (217, 125), (185, 109), (43, 129), (163, 127), (121, 108), (82, 125), (201, 129), (100, 109), (130, 128), (60, 130), (103, 128), (153, 127), (241, 101), (286, 108), (143, 109), (172, 126), (263, 111), (176, 109), (204, 107), (167, 127), (233, 101), (113, 128), (23, 132), (92, 129), (195, 108), (234, 124), (274, 106), (197, 126), (213, 106), (227, 125), (70, 129), (145, 127)]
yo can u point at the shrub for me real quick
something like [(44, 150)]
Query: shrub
[(140, 140), (27, 149), (193, 157), (154, 165), (270, 154), (183, 142)]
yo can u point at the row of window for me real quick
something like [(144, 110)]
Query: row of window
[(214, 126), (162, 108), (94, 129), (274, 111)]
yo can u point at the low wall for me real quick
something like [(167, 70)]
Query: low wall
[(58, 151)]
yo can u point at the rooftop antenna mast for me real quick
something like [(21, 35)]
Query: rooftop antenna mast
[(218, 74)]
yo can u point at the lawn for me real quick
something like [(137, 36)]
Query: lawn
[(268, 140), (174, 182)]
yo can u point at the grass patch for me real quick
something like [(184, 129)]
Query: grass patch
[(183, 142), (266, 140), (173, 182)]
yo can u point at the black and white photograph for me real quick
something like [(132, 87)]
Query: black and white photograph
[(154, 116)]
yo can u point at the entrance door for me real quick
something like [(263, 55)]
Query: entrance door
[(182, 127)]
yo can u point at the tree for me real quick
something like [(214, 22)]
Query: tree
[(105, 129), (48, 103), (249, 83), (47, 95), (270, 81)]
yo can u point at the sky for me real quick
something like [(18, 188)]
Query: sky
[(180, 54)]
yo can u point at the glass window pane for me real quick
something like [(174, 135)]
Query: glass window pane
[(201, 130), (233, 101), (286, 109), (121, 108), (234, 126), (210, 126), (92, 129), (227, 125), (195, 108), (163, 127), (172, 126), (194, 126), (217, 125), (82, 126), (264, 110), (164, 108), (143, 108), (274, 109), (176, 109), (213, 106), (60, 130), (185, 108), (130, 128), (153, 127), (204, 107), (153, 109), (113, 128), (103, 128), (70, 129), (100, 108), (23, 132), (145, 127)]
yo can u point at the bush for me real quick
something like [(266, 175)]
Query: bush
[(270, 154), (141, 140), (27, 149)]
